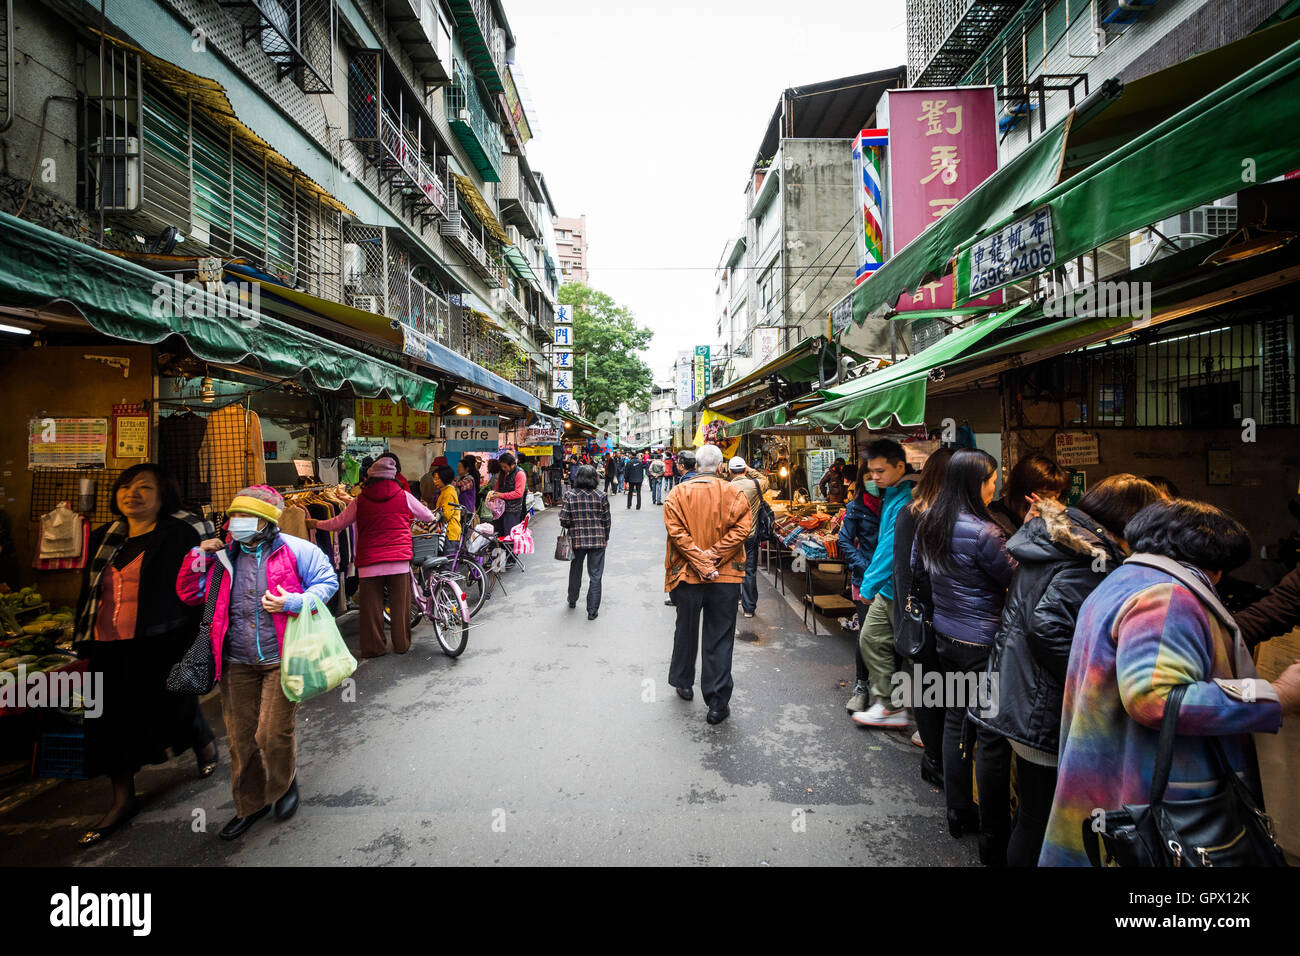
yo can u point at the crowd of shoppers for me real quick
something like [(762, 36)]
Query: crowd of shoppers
[(1059, 632)]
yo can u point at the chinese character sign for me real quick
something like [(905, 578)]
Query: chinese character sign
[(1016, 251), (685, 378), (562, 384), (942, 144), (702, 371)]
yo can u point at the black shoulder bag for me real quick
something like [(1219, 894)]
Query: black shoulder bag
[(1229, 828), (914, 635), (196, 672)]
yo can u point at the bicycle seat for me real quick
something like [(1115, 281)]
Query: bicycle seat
[(435, 562)]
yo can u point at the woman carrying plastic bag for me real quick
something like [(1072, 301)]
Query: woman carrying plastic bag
[(315, 659)]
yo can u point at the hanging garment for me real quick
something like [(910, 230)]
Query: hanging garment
[(231, 456), (328, 469), (179, 439)]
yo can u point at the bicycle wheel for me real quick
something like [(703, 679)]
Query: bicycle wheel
[(472, 582), (449, 625)]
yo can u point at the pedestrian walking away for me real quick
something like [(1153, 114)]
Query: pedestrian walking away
[(585, 516), (656, 472), (382, 514), (707, 520), (265, 576), (634, 476), (753, 484)]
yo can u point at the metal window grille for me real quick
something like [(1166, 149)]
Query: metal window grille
[(1213, 374), (298, 35)]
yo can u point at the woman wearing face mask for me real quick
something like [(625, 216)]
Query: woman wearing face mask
[(134, 630), (265, 575)]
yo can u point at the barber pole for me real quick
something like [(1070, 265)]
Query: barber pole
[(868, 151)]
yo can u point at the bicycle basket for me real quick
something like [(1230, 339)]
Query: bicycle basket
[(425, 546)]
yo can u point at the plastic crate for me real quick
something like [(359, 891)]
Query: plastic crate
[(62, 754)]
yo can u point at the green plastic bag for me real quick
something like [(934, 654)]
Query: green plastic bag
[(315, 659)]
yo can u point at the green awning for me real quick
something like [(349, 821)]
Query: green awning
[(898, 392), (128, 301), (1211, 149), (764, 419), (796, 364), (519, 264)]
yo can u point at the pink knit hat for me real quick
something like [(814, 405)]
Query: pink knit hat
[(383, 468), (260, 500)]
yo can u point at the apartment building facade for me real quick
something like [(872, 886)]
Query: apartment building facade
[(571, 239), (794, 256), (369, 155)]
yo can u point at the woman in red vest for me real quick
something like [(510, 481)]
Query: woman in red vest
[(382, 513)]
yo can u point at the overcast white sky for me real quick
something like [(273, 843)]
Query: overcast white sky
[(650, 114)]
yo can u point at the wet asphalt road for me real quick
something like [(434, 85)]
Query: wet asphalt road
[(554, 740)]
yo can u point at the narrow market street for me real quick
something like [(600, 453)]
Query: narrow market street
[(553, 740)]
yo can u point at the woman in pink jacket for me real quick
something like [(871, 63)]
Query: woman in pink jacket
[(265, 574), (382, 513)]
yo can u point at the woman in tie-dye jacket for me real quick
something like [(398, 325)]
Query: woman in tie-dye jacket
[(1151, 625)]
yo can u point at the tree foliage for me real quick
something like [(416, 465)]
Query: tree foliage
[(606, 342)]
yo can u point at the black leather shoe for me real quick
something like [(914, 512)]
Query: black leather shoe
[(591, 615), (930, 773), (239, 825), (685, 693), (963, 821), (91, 837), (208, 767), (717, 715), (287, 805), (573, 604)]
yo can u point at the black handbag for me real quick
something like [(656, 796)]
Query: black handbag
[(196, 672), (1229, 828), (914, 635)]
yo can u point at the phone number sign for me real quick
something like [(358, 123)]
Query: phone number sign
[(1012, 254)]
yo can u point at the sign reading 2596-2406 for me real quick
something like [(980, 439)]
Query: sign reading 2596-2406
[(1013, 253)]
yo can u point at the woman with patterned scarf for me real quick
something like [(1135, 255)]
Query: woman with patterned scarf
[(133, 628)]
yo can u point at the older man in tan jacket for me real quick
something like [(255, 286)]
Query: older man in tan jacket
[(708, 520)]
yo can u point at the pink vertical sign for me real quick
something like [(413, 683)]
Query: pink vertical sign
[(942, 144)]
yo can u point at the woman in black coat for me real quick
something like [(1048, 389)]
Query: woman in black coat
[(133, 628), (1062, 554)]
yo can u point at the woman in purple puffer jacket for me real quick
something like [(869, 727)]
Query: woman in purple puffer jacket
[(965, 554)]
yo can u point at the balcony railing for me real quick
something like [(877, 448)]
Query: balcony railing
[(483, 39), (472, 122), (511, 302), (415, 174)]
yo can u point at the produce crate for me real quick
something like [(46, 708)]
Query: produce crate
[(62, 754)]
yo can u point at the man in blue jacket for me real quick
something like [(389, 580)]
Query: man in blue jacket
[(888, 468)]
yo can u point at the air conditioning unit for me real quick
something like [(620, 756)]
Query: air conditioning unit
[(118, 172), (366, 303)]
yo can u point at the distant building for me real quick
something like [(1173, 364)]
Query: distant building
[(571, 240)]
